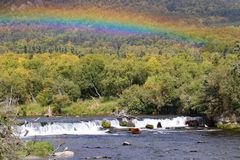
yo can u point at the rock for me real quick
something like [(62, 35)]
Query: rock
[(193, 151), (99, 157), (149, 126), (43, 123), (126, 143), (123, 123), (126, 124), (192, 123), (64, 154), (159, 125), (98, 147), (201, 142), (106, 124), (134, 130)]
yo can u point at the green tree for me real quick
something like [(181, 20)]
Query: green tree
[(60, 101), (88, 75), (45, 97)]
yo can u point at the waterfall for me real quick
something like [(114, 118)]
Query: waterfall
[(166, 123), (91, 127), (82, 128)]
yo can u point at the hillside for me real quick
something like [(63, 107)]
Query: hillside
[(206, 11), (122, 27)]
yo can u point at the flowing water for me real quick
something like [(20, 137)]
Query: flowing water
[(175, 140)]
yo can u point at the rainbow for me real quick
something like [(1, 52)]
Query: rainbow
[(95, 19)]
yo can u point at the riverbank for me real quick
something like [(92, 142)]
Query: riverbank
[(35, 148), (95, 107)]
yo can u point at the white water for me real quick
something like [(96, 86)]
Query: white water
[(91, 127)]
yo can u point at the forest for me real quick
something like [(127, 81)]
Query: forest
[(200, 84)]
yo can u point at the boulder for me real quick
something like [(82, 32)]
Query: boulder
[(123, 123), (126, 143), (99, 157), (192, 123), (106, 124), (134, 130), (159, 125), (126, 124), (64, 154), (43, 123), (199, 142), (149, 126)]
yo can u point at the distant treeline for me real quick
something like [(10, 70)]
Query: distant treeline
[(80, 43), (188, 84)]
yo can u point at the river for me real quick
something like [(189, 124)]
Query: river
[(175, 141)]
